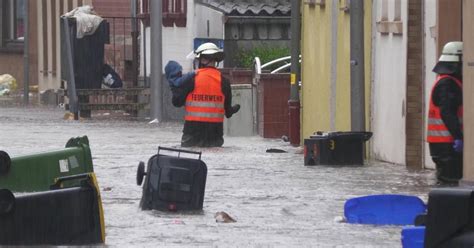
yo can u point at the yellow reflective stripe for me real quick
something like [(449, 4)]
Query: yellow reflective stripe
[(434, 121), (206, 115), (204, 104), (439, 133)]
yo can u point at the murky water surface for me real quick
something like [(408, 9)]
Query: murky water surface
[(274, 198)]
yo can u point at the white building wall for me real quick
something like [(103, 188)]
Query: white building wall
[(430, 61), (209, 23), (178, 41), (389, 89)]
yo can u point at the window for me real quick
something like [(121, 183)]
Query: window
[(384, 16), (398, 11), (174, 12), (384, 25), (396, 27), (12, 24)]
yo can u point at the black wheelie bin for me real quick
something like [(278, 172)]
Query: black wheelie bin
[(335, 148), (173, 182)]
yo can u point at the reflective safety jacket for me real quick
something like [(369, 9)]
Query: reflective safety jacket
[(206, 102), (437, 130)]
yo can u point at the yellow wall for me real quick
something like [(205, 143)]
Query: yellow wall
[(343, 85), (316, 65), (316, 68)]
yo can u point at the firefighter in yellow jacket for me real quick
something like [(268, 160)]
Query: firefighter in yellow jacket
[(445, 133), (207, 99)]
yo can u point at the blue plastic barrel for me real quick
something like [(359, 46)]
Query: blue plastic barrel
[(383, 209)]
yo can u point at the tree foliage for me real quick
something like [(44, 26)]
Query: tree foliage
[(245, 57)]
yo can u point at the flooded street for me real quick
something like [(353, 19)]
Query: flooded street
[(276, 200)]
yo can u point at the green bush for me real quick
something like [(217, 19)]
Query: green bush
[(245, 57)]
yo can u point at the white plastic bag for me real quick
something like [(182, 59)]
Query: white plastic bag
[(7, 84)]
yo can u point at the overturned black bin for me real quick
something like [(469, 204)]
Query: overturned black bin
[(450, 218), (173, 181), (335, 148), (60, 216)]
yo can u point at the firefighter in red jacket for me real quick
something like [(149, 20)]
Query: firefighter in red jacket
[(444, 134), (207, 99)]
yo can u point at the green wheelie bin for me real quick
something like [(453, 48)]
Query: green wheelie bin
[(37, 172)]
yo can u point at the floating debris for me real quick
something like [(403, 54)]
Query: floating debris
[(223, 217), (275, 150)]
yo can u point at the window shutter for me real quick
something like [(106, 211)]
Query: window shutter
[(167, 13), (181, 11), (145, 13), (174, 12)]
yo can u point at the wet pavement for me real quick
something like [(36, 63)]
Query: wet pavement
[(276, 200)]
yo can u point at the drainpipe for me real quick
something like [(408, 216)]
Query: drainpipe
[(294, 101), (133, 13), (71, 81), (26, 64), (357, 65), (156, 61)]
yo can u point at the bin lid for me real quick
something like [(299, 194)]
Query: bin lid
[(360, 135), (385, 209)]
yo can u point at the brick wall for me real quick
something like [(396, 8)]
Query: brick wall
[(115, 8), (112, 7), (118, 53), (414, 106)]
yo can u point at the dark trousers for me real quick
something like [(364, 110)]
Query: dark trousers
[(202, 134), (189, 140), (448, 162)]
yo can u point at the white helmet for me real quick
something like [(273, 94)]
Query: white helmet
[(452, 52), (210, 49)]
